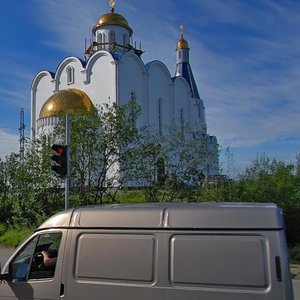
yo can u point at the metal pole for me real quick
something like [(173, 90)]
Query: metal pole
[(68, 178)]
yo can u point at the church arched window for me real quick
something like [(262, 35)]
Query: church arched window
[(160, 127), (112, 36), (182, 121), (70, 75), (99, 40)]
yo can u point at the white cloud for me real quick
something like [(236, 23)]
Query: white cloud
[(9, 144)]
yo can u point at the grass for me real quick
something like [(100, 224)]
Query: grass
[(129, 196), (13, 238)]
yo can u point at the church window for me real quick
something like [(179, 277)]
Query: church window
[(124, 39), (99, 40), (70, 75), (179, 54), (182, 121), (112, 37), (160, 129)]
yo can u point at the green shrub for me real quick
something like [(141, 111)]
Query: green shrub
[(2, 229), (295, 253), (13, 238)]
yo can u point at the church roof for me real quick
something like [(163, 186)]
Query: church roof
[(71, 101), (112, 18), (185, 71)]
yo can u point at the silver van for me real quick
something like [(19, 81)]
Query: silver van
[(154, 251)]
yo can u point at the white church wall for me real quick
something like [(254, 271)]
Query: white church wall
[(111, 34), (69, 74), (160, 87), (132, 80), (202, 121), (42, 89), (182, 102), (100, 83)]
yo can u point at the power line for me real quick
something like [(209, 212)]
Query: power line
[(22, 135)]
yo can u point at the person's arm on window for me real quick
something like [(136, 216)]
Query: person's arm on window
[(48, 262)]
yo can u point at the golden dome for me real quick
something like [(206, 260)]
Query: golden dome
[(72, 101), (182, 43), (112, 19)]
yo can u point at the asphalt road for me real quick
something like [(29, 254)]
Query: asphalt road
[(6, 252)]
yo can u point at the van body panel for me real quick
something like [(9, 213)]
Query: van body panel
[(123, 257), (164, 251), (186, 265), (174, 215), (230, 255)]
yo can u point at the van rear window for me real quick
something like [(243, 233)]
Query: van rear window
[(224, 260), (115, 257)]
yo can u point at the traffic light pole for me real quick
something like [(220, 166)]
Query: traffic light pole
[(68, 177)]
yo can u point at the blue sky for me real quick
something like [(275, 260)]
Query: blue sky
[(245, 55)]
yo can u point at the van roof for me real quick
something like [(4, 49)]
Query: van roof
[(171, 215)]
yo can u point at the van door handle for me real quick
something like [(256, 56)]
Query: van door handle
[(278, 268), (62, 289)]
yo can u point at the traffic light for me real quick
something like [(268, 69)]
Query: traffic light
[(60, 159)]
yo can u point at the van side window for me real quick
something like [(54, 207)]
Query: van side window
[(38, 259)]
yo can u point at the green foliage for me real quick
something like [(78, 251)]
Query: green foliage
[(2, 229), (13, 238), (130, 196), (100, 142), (295, 253), (167, 167)]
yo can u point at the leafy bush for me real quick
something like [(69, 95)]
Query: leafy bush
[(295, 253), (2, 229), (13, 238)]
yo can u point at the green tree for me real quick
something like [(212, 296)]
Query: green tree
[(169, 165), (269, 180), (102, 144), (31, 185)]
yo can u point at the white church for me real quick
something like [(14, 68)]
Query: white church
[(113, 71)]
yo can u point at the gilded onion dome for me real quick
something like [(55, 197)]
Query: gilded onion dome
[(182, 43), (112, 19), (72, 101)]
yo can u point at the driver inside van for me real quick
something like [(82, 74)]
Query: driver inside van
[(49, 259)]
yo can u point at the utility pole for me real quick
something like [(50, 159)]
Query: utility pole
[(68, 177), (61, 161), (22, 135)]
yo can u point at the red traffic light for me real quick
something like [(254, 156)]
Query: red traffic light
[(59, 149), (60, 160)]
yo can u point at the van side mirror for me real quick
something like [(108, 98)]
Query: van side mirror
[(5, 277)]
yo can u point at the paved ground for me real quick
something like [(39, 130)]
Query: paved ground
[(5, 253)]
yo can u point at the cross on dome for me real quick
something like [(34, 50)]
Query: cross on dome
[(181, 29), (182, 43), (112, 4)]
